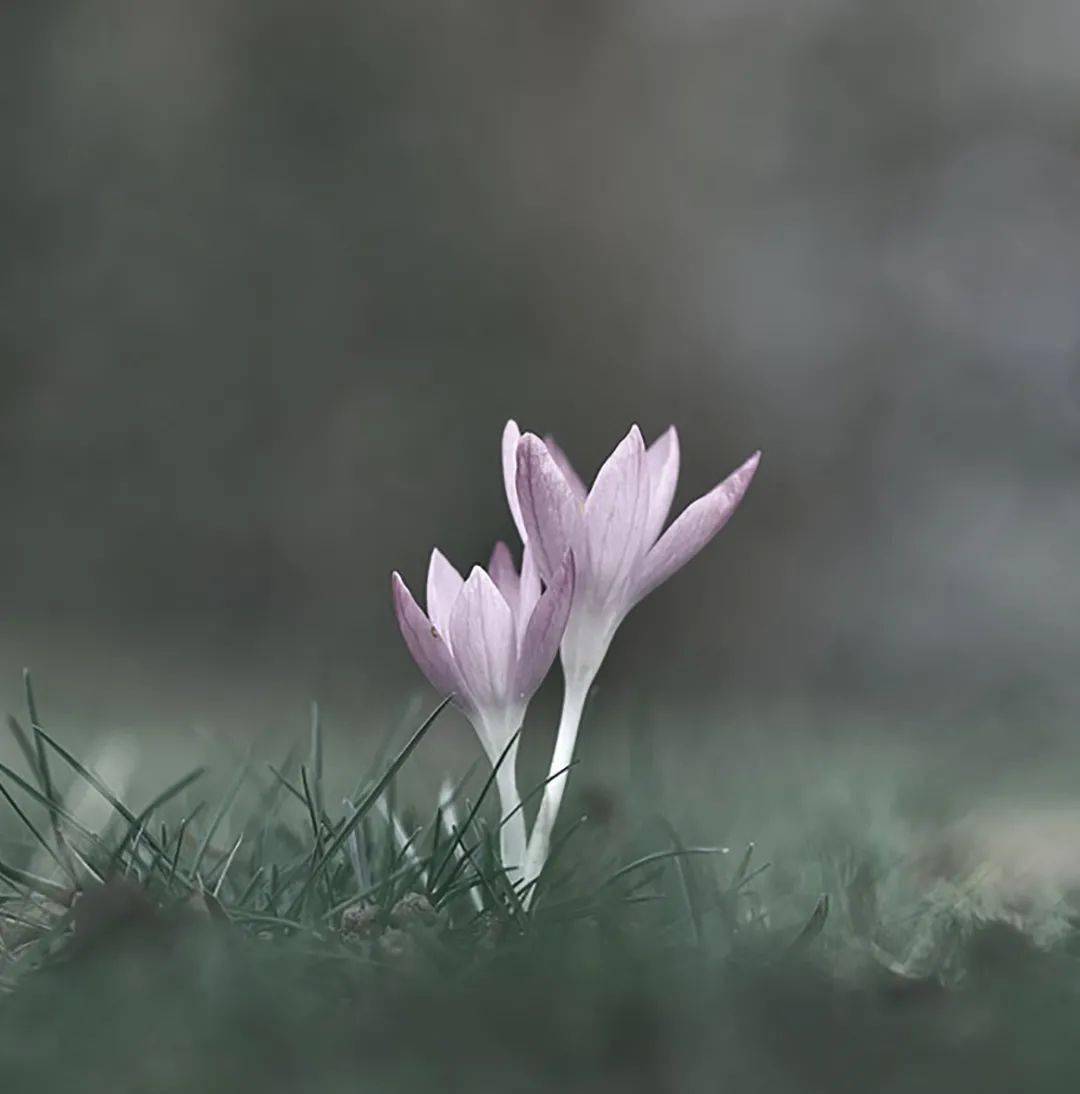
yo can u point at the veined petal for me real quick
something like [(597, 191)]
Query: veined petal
[(615, 516), (426, 645), (505, 576), (443, 586), (573, 479), (662, 465), (530, 590), (693, 528), (511, 436), (545, 631), (550, 511), (484, 643)]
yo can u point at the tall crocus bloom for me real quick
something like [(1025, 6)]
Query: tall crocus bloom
[(489, 641), (615, 533)]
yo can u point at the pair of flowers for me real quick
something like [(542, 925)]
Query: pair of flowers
[(589, 556)]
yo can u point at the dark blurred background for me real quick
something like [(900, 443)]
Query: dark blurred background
[(275, 274)]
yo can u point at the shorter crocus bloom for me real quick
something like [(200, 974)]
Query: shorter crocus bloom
[(613, 531), (489, 641)]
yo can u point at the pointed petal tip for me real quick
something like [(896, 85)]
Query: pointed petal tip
[(479, 576), (529, 442), (401, 593), (551, 510), (440, 566), (510, 437), (738, 482)]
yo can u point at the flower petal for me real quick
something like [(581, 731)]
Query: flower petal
[(530, 589), (615, 516), (484, 643), (443, 586), (505, 576), (545, 631), (511, 436), (426, 645), (550, 512), (662, 465), (573, 479), (693, 528)]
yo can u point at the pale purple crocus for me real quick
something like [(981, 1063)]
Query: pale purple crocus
[(615, 533), (490, 641)]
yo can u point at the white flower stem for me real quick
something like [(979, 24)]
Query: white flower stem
[(574, 696)]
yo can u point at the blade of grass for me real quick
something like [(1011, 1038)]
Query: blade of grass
[(814, 926), (143, 818), (691, 888), (538, 789), (25, 747), (529, 892), (315, 763), (43, 774), (228, 863), (744, 865), (74, 852), (316, 830), (284, 782), (219, 815), (312, 808), (658, 856), (372, 797), (488, 783), (245, 896), (356, 850), (181, 832), (412, 709), (754, 874), (95, 781), (42, 885), (458, 866), (39, 797), (38, 836), (36, 729)]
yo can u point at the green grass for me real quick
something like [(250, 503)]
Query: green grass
[(267, 938)]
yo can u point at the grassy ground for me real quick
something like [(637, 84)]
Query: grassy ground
[(355, 946)]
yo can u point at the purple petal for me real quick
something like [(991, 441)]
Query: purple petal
[(530, 589), (549, 510), (426, 645), (693, 528), (544, 632), (573, 479), (615, 516), (662, 465), (443, 586), (484, 643), (505, 576), (511, 436)]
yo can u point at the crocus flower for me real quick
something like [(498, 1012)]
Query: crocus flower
[(490, 641), (615, 533)]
